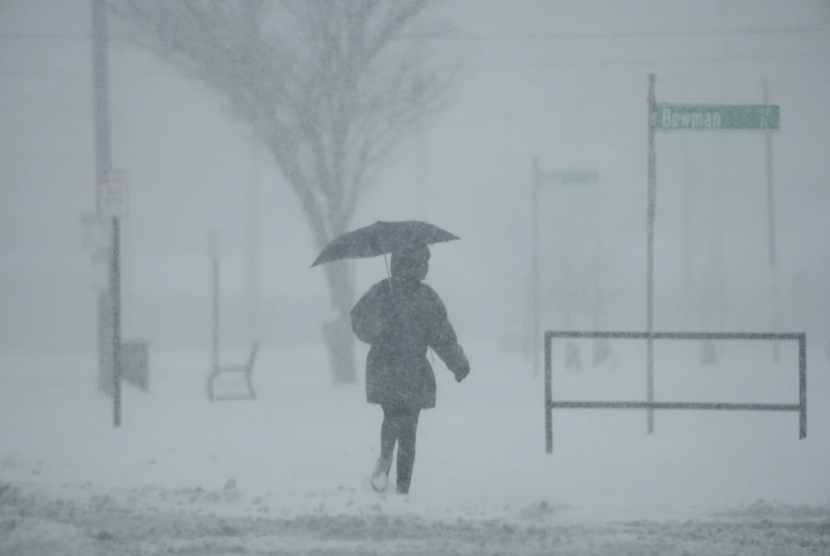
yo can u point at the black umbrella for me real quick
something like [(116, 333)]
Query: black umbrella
[(382, 238)]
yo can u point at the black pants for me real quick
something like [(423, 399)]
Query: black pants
[(400, 424)]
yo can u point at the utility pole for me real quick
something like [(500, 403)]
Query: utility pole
[(253, 197), (103, 156), (100, 84)]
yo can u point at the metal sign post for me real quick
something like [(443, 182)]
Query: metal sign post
[(113, 201), (215, 248), (534, 276), (771, 226), (652, 202)]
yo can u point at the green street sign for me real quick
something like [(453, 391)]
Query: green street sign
[(564, 178), (714, 116)]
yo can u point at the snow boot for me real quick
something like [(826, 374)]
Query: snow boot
[(380, 476)]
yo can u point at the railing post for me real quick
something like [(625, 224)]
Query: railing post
[(802, 385), (548, 395)]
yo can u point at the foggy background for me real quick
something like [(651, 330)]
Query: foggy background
[(564, 81)]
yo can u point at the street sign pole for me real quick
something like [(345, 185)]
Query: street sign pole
[(113, 199), (253, 246), (115, 287), (652, 201), (215, 248), (215, 347), (771, 225), (687, 201), (534, 201)]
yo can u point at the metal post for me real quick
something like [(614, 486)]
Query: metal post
[(253, 246), (687, 199), (215, 343), (802, 386), (652, 196), (720, 236), (597, 279), (527, 339), (103, 155), (548, 395), (534, 201), (115, 287), (253, 204), (771, 226)]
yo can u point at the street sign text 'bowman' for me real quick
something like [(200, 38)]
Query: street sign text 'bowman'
[(714, 116)]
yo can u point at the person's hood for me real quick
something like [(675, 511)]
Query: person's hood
[(406, 261)]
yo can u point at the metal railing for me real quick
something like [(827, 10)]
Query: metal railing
[(800, 407)]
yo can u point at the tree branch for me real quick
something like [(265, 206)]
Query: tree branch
[(326, 85)]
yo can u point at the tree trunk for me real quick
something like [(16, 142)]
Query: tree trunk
[(337, 333)]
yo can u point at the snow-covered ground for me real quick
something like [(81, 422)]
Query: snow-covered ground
[(287, 474)]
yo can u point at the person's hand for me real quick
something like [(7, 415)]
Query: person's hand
[(462, 373)]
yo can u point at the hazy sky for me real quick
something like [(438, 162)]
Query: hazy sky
[(564, 81)]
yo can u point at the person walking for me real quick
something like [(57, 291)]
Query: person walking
[(401, 317)]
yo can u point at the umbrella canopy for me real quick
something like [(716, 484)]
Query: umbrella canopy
[(382, 238)]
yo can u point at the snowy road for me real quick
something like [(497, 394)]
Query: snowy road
[(31, 524)]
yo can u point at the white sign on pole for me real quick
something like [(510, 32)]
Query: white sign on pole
[(114, 193)]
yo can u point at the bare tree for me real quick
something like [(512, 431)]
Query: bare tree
[(329, 87)]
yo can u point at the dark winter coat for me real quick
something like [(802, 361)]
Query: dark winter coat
[(400, 323)]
